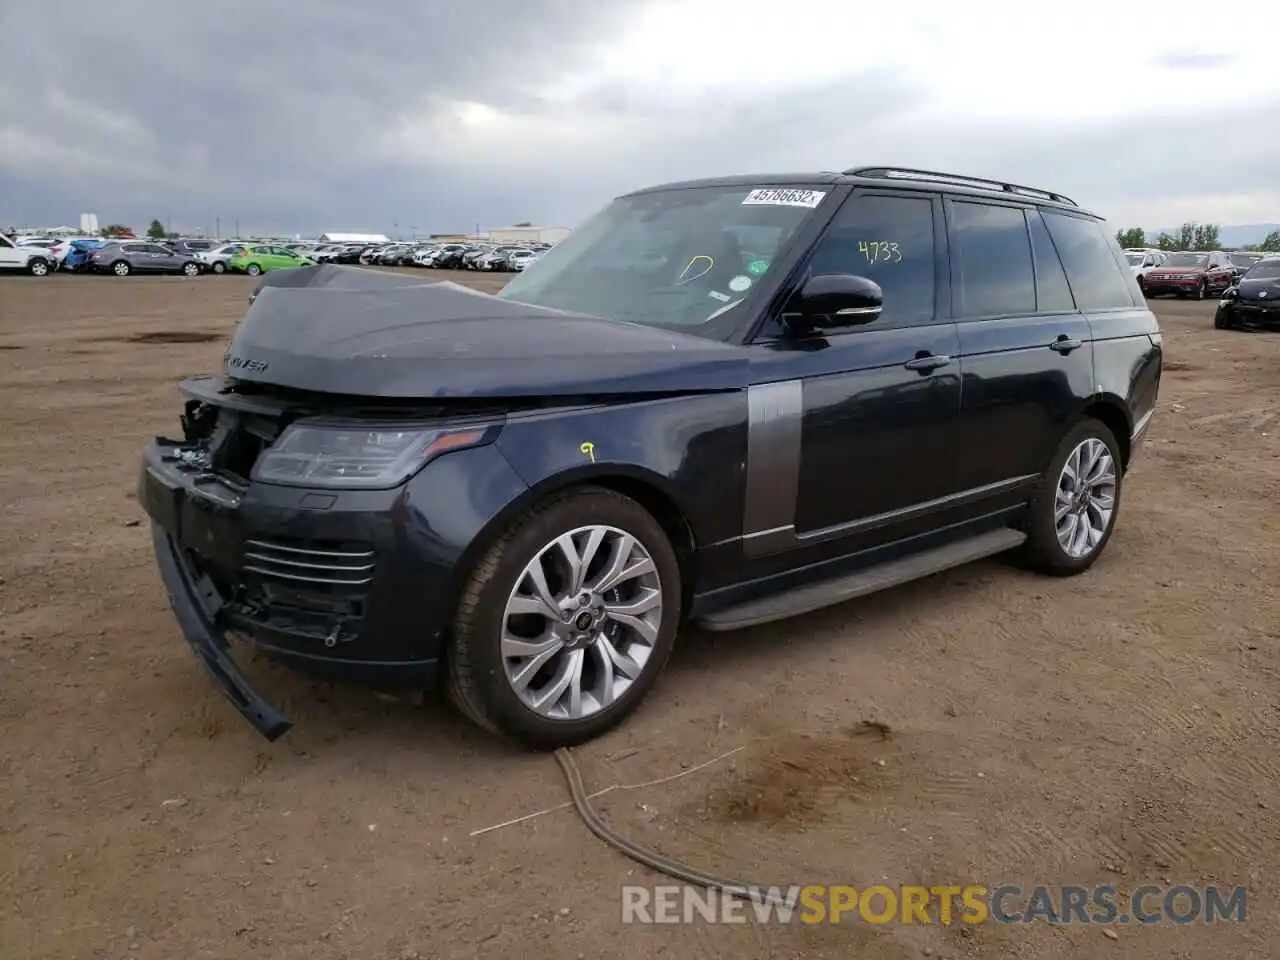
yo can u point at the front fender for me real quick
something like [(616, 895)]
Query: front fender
[(690, 448)]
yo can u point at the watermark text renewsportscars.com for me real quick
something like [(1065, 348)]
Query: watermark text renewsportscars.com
[(940, 904)]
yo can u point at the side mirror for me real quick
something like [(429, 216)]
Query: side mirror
[(838, 300)]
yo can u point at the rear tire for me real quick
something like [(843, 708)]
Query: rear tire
[(1069, 525), (121, 268), (495, 682), (219, 267), (253, 270)]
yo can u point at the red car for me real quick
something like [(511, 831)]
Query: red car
[(1191, 274)]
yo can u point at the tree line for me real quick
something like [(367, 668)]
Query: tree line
[(1190, 236)]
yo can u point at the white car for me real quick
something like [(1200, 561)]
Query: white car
[(216, 260), (37, 261), (518, 260), (1141, 261)]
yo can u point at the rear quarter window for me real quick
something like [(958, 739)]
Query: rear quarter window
[(1094, 270)]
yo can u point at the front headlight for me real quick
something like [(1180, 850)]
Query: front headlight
[(355, 456)]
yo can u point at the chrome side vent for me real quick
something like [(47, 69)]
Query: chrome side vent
[(303, 565)]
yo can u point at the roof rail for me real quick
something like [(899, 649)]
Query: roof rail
[(908, 173)]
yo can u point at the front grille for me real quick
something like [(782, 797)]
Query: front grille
[(331, 565)]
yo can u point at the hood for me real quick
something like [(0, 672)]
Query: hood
[(1264, 288), (344, 330)]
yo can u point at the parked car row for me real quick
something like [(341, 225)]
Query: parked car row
[(450, 256), (1195, 273)]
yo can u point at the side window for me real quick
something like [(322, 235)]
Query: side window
[(1053, 295), (261, 250), (1094, 274), (989, 245), (888, 240)]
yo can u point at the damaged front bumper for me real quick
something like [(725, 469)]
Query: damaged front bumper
[(196, 604)]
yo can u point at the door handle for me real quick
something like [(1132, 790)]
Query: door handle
[(1065, 345), (927, 362)]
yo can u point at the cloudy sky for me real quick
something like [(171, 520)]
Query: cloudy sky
[(441, 116)]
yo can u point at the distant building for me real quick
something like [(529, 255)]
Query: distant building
[(354, 238), (528, 234)]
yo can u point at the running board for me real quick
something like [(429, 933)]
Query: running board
[(815, 596)]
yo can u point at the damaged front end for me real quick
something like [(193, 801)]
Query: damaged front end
[(290, 565)]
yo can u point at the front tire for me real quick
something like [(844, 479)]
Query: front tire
[(253, 270), (219, 267), (566, 621), (1200, 290), (191, 269), (38, 267), (1076, 504)]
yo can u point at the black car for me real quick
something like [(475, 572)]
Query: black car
[(451, 256), (726, 402), (1254, 300), (351, 253), (142, 256)]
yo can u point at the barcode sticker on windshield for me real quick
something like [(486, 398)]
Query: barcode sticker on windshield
[(785, 198)]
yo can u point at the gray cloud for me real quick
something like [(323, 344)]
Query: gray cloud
[(336, 115), (267, 110)]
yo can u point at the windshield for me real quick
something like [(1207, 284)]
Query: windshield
[(1245, 259), (1265, 270), (1187, 260), (674, 258)]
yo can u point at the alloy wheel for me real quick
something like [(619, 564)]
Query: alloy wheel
[(1086, 498), (121, 269), (581, 622), (39, 268)]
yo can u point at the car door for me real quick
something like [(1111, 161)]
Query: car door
[(852, 440), (10, 258), (167, 259), (1025, 348), (139, 256), (1219, 274)]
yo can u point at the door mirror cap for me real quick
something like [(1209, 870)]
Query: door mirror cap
[(833, 300)]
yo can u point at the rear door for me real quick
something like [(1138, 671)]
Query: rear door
[(1025, 347), (140, 256)]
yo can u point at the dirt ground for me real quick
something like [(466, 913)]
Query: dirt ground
[(1115, 728)]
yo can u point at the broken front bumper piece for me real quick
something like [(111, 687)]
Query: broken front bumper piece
[(196, 605)]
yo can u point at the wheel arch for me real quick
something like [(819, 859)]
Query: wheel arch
[(647, 488), (1113, 412)]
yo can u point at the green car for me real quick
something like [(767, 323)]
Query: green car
[(256, 260)]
